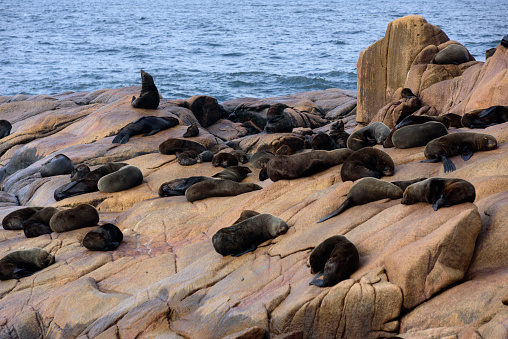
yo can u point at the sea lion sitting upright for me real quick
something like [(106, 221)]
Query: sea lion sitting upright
[(323, 141), (335, 259), (106, 237), (58, 165), (440, 192), (218, 188), (370, 135), (367, 162), (24, 263), (418, 135), (15, 219), (338, 134), (192, 131), (463, 143), (146, 126), (277, 121), (246, 235), (178, 186), (83, 215), (235, 173), (482, 118), (38, 224), (149, 95), (224, 160), (125, 178), (5, 128)]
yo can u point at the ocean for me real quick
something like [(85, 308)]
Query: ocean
[(224, 48)]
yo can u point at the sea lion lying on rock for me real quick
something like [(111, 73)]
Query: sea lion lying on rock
[(452, 54), (5, 128), (367, 162), (192, 131), (178, 186), (38, 224), (440, 192), (83, 215), (106, 237), (60, 164), (15, 219), (224, 160), (482, 118), (187, 158), (24, 263), (335, 259), (79, 172), (149, 95), (415, 120), (234, 173), (463, 143), (323, 141), (174, 145), (418, 135), (125, 178), (247, 234), (218, 188), (261, 158), (146, 126), (370, 135)]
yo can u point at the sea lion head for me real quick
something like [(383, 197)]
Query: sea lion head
[(410, 195), (488, 142), (277, 227)]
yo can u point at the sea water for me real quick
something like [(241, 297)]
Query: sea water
[(224, 48)]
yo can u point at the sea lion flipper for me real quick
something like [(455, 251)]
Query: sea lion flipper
[(487, 111), (152, 132), (22, 272), (447, 164), (251, 248), (431, 160), (125, 138), (263, 174), (133, 98), (118, 138), (318, 282), (467, 151), (345, 205), (439, 202)]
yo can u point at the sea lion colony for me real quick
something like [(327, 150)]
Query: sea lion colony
[(336, 258)]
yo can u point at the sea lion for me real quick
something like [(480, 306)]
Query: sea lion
[(364, 191), (414, 120), (79, 172), (418, 135), (403, 184), (245, 236), (106, 237), (338, 134), (146, 126), (177, 187), (246, 214), (455, 119), (83, 215), (295, 142), (149, 95), (224, 160), (38, 224), (482, 118), (15, 219), (304, 164), (173, 145), (463, 143), (235, 173), (126, 177), (260, 158), (284, 150), (440, 192), (323, 141), (277, 121), (370, 135), (490, 52), (504, 41), (335, 259), (218, 188), (205, 156), (192, 131), (58, 165), (367, 162), (187, 158), (88, 183), (406, 93), (5, 128), (241, 156), (452, 54), (24, 263)]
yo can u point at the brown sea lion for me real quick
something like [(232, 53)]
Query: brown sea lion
[(367, 162), (15, 220), (406, 93), (187, 158), (24, 263), (277, 121), (463, 143), (482, 118), (440, 192), (146, 126), (38, 224), (173, 145), (149, 95), (504, 41), (403, 184), (452, 54), (245, 236), (5, 128), (370, 135), (414, 120), (335, 259), (79, 172), (455, 119), (246, 214), (260, 158), (106, 237), (178, 186), (218, 188), (284, 150), (58, 165), (192, 131), (338, 134), (205, 156), (224, 160), (125, 178), (304, 164), (323, 141), (418, 135), (235, 173), (364, 191), (241, 156), (83, 215)]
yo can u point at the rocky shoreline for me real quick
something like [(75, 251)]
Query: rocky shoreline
[(423, 273)]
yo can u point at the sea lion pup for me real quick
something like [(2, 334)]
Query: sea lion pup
[(38, 224), (246, 214), (304, 164), (338, 134), (79, 172), (323, 141), (149, 95), (224, 160), (14, 220), (173, 145), (235, 173), (367, 162), (187, 158), (370, 135), (463, 143), (106, 237), (440, 192), (277, 121), (24, 263), (241, 156), (205, 156), (260, 158), (83, 215), (245, 236), (88, 183), (418, 135), (218, 188), (192, 131), (177, 187), (335, 259), (482, 118), (5, 128), (364, 191), (146, 126), (126, 177), (58, 165)]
